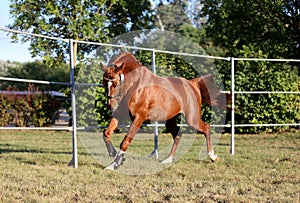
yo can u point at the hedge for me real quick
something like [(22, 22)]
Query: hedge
[(33, 108)]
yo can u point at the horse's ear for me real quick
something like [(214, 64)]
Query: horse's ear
[(120, 68), (103, 67)]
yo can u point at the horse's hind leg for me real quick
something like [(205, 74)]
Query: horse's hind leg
[(113, 124), (172, 127), (210, 149), (205, 129)]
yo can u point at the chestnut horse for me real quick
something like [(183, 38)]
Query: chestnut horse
[(130, 86)]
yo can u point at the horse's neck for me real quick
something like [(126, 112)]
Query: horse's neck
[(143, 72), (138, 75), (131, 67)]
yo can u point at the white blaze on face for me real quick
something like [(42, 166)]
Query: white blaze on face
[(109, 84), (122, 77)]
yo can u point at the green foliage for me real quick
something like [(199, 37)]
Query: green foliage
[(35, 108), (258, 29), (90, 100), (173, 15), (168, 64), (103, 113), (271, 26), (266, 108)]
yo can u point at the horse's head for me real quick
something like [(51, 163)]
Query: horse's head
[(114, 74), (112, 80)]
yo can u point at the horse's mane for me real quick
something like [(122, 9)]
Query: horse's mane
[(124, 54)]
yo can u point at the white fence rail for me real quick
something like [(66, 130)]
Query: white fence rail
[(74, 128)]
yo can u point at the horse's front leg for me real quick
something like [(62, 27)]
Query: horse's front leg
[(113, 124), (120, 158)]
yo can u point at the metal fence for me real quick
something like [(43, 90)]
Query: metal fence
[(73, 128)]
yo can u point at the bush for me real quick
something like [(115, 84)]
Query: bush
[(33, 108), (266, 108), (263, 76)]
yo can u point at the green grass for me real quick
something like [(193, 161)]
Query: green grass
[(33, 168)]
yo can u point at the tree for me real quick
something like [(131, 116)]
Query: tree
[(258, 29), (273, 26), (5, 66), (75, 19), (173, 15)]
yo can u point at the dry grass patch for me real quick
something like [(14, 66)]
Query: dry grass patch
[(266, 167)]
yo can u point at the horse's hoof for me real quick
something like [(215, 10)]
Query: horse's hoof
[(168, 160), (111, 167), (119, 160), (215, 159), (113, 152), (212, 155)]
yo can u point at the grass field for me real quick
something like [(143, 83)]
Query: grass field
[(265, 168)]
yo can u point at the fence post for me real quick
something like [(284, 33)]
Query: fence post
[(232, 106), (155, 151), (74, 161)]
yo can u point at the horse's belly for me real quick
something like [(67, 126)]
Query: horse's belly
[(164, 110)]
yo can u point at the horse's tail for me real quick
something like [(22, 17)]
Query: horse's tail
[(211, 94)]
